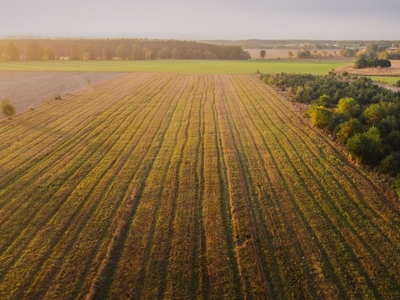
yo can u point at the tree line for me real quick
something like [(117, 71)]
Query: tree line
[(362, 116), (123, 49)]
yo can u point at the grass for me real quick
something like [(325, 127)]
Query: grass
[(179, 186), (385, 79), (177, 66)]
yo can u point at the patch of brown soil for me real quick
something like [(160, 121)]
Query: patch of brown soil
[(30, 89)]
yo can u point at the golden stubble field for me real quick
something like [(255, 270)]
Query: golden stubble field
[(181, 186)]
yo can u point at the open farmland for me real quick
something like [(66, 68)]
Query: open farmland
[(180, 186), (30, 89), (177, 66)]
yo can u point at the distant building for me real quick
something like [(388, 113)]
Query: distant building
[(22, 56), (392, 49), (64, 57)]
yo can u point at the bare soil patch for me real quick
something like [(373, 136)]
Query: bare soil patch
[(30, 89), (394, 70)]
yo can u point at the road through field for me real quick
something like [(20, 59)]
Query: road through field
[(181, 186)]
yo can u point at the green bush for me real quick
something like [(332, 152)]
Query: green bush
[(396, 185), (366, 147), (374, 113), (348, 129), (7, 108), (389, 165), (323, 100), (348, 106), (320, 116)]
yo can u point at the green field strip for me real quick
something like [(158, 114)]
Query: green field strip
[(179, 66), (321, 175), (222, 269), (250, 268), (141, 232), (105, 193), (113, 196)]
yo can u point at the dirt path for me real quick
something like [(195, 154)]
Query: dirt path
[(30, 89)]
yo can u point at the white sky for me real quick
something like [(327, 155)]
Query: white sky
[(206, 19)]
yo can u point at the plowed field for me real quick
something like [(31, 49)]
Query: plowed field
[(30, 89), (183, 186)]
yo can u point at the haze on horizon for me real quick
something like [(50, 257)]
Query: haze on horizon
[(203, 20)]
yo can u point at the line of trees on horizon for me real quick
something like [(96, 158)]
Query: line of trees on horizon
[(122, 49)]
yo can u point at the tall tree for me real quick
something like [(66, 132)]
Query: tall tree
[(90, 52), (122, 52), (34, 52), (176, 54), (163, 53), (12, 51), (262, 54), (136, 52), (49, 53), (76, 52), (107, 53), (148, 53)]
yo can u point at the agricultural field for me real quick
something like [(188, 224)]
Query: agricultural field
[(27, 90), (177, 66), (333, 54), (181, 186)]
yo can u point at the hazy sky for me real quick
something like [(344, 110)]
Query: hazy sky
[(206, 19)]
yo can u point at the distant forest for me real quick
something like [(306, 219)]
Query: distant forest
[(92, 49)]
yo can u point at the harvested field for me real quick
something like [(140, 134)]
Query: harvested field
[(394, 70), (30, 89), (181, 186)]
